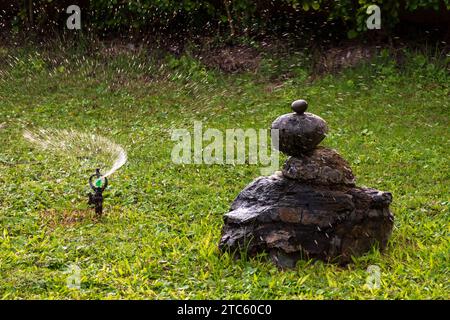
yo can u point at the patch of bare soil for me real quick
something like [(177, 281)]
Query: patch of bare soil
[(232, 59), (111, 49), (339, 58), (66, 218)]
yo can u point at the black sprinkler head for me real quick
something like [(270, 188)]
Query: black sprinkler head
[(98, 186)]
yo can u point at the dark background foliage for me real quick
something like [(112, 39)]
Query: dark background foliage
[(230, 17)]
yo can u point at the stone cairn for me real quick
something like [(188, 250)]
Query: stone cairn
[(312, 209)]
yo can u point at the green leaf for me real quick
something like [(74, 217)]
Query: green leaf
[(351, 34)]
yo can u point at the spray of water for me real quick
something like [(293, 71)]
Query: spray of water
[(88, 146)]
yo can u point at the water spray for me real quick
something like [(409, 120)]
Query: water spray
[(87, 146), (96, 198)]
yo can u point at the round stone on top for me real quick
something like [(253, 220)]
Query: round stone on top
[(299, 106), (300, 131)]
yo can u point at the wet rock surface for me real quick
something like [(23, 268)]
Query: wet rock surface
[(299, 106), (292, 220), (321, 166), (310, 209), (299, 133)]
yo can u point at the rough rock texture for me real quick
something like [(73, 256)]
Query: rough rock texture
[(312, 208), (292, 220), (321, 166), (299, 133)]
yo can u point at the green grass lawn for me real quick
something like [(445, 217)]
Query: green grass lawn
[(158, 238)]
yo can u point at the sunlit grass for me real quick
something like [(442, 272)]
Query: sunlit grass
[(159, 236)]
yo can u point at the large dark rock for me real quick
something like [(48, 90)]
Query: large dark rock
[(299, 133), (321, 166), (312, 208), (292, 220)]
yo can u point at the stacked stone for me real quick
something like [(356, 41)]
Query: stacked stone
[(312, 209)]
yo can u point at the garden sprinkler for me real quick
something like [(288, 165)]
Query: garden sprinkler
[(96, 198)]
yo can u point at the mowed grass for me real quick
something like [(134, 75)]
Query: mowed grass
[(158, 238)]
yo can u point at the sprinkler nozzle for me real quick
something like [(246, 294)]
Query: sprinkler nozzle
[(96, 198)]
